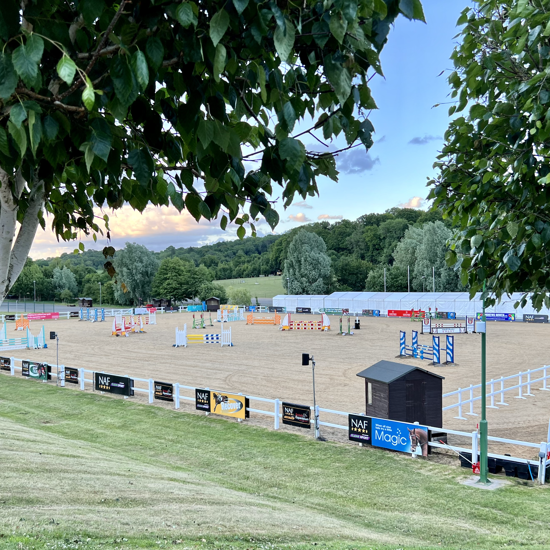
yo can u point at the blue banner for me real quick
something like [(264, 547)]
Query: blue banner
[(497, 316), (399, 436)]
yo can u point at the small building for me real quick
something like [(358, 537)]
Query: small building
[(162, 302), (403, 392), (212, 304), (85, 302)]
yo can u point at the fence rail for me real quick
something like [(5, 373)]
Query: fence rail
[(524, 380)]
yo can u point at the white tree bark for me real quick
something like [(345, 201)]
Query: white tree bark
[(16, 239)]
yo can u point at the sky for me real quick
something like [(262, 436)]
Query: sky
[(409, 135)]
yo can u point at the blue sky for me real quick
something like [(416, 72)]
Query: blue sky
[(409, 134)]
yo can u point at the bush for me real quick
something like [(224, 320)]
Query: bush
[(209, 290), (239, 296)]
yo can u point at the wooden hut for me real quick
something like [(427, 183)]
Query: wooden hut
[(403, 392), (212, 304), (85, 302)]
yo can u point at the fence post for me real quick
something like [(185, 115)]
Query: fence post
[(62, 376), (176, 396), (460, 417), (317, 427), (474, 447), (472, 413), (501, 402), (277, 408), (544, 388), (542, 463), (151, 390), (492, 405), (529, 383), (12, 366), (520, 395), (81, 376)]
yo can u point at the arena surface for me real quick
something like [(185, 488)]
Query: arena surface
[(266, 362)]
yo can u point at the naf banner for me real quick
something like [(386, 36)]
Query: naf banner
[(359, 429), (5, 363), (164, 391), (399, 436), (110, 383)]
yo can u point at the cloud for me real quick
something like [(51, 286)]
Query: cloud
[(415, 202), (356, 161), (424, 140), (329, 217), (301, 218), (302, 204)]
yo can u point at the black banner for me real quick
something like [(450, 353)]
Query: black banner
[(297, 415), (5, 363), (303, 310), (73, 314), (531, 318), (111, 383), (38, 371), (276, 309), (371, 313), (164, 391), (9, 317), (359, 429), (71, 375), (202, 400)]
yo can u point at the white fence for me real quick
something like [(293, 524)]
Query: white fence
[(496, 389), (272, 408)]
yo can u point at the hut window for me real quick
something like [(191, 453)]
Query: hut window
[(369, 394)]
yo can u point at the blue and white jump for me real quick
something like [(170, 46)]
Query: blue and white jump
[(93, 315), (30, 342), (421, 351)]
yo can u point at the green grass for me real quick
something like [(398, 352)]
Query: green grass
[(111, 473), (261, 287)]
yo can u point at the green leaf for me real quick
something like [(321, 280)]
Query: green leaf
[(88, 95), (381, 8), (141, 70), (240, 5), (23, 63), (185, 15), (206, 132), (223, 223), (219, 61), (349, 10), (18, 114), (88, 156), (4, 144), (35, 47), (512, 261), (9, 20), (338, 26), (192, 203), (218, 26), (204, 210), (289, 115), (91, 9), (51, 127), (271, 217), (8, 77), (66, 69), (35, 131), (476, 240), (20, 137), (241, 232), (293, 151), (412, 9), (339, 77), (284, 41), (155, 51), (123, 80), (261, 81), (141, 162), (101, 138), (512, 228)]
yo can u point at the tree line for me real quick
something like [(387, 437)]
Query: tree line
[(354, 255)]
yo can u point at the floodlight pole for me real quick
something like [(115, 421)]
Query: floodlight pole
[(483, 427)]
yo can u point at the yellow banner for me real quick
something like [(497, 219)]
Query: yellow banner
[(228, 404)]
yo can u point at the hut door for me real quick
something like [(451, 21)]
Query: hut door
[(416, 401)]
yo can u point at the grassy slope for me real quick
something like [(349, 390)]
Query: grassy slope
[(82, 466), (262, 287)]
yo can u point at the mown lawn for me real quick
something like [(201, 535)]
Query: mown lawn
[(81, 470), (261, 287)]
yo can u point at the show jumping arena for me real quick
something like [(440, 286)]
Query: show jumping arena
[(266, 362)]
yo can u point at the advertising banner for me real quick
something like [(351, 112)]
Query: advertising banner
[(303, 310), (141, 311), (225, 404), (297, 415), (331, 311), (359, 429), (42, 316), (74, 314), (531, 318), (5, 363), (497, 316), (9, 317), (402, 313), (400, 436), (71, 375), (371, 313), (277, 309), (111, 383), (164, 391), (38, 371)]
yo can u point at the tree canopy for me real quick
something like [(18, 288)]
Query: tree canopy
[(159, 101), (494, 170)]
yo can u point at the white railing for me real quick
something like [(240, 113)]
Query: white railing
[(272, 408), (496, 389)]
